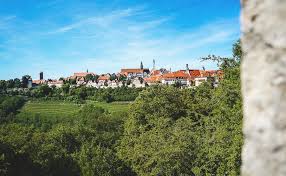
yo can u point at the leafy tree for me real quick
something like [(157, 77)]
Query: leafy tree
[(237, 51), (17, 83), (89, 77), (96, 78), (25, 80), (156, 136), (96, 160), (187, 132), (72, 81), (66, 88), (122, 78), (113, 77), (44, 90), (178, 84), (10, 83), (9, 106), (3, 85)]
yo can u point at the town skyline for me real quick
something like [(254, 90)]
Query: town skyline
[(153, 67)]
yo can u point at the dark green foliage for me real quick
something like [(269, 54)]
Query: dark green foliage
[(172, 131), (118, 94), (89, 77), (83, 145), (113, 77), (25, 81), (9, 107), (77, 94)]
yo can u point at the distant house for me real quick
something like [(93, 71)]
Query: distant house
[(174, 77), (36, 83), (200, 80), (159, 72), (137, 82), (80, 76), (212, 73), (135, 73), (153, 79), (56, 83), (92, 84), (80, 81), (103, 79)]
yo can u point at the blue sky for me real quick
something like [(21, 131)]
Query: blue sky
[(60, 37)]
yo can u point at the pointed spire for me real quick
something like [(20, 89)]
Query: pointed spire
[(204, 68), (187, 67)]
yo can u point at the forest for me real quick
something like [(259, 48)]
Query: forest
[(165, 131)]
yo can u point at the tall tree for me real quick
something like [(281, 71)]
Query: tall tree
[(25, 80)]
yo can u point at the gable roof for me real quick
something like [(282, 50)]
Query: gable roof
[(153, 79), (83, 74), (38, 81), (104, 77), (175, 75), (195, 73), (156, 72), (134, 70), (211, 73)]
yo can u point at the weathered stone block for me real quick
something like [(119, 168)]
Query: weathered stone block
[(264, 87)]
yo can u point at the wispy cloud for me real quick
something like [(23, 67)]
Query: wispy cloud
[(100, 21), (5, 20)]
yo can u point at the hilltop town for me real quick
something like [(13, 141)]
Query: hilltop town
[(135, 77)]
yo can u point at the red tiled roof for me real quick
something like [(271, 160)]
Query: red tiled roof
[(82, 74), (56, 82), (38, 81), (195, 73), (153, 79), (211, 73), (156, 72), (178, 74), (104, 77), (133, 70)]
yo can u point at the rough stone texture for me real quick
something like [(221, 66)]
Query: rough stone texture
[(264, 87)]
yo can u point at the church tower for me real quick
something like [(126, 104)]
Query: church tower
[(141, 66)]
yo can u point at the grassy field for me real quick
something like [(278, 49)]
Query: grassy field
[(45, 114), (113, 107), (62, 109), (50, 109)]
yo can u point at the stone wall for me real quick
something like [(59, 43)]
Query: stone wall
[(264, 87)]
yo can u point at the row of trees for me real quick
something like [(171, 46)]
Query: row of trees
[(15, 83), (79, 94)]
